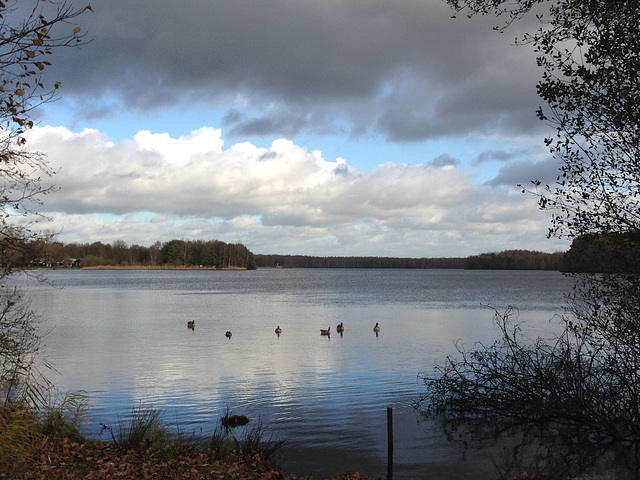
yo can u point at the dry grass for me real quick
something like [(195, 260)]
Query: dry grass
[(48, 445), (20, 436)]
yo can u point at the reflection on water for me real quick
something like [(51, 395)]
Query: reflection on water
[(123, 338)]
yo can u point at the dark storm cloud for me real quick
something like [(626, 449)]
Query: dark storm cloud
[(402, 69), (503, 156), (444, 161), (523, 173)]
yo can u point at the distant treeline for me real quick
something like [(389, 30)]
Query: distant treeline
[(218, 254), (175, 253), (507, 260), (303, 261), (591, 253)]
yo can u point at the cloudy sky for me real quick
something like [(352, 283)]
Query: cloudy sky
[(332, 127)]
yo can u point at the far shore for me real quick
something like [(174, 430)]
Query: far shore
[(140, 267)]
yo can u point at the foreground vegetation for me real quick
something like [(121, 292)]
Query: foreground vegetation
[(50, 445), (569, 402)]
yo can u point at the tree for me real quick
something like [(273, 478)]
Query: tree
[(209, 254), (593, 95), (25, 48), (577, 395), (120, 251), (21, 379), (589, 53), (155, 253), (176, 252), (138, 254), (29, 34)]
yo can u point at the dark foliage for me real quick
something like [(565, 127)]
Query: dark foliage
[(576, 397), (573, 399), (612, 253), (515, 260), (507, 260), (303, 261)]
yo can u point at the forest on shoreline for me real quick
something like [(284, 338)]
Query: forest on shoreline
[(587, 254), (506, 260), (215, 254)]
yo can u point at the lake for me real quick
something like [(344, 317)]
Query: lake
[(122, 337)]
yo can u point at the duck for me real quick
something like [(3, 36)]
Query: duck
[(233, 421), (325, 332), (228, 334), (191, 324), (376, 328), (340, 328), (278, 330)]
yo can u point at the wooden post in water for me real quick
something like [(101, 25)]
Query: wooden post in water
[(389, 443)]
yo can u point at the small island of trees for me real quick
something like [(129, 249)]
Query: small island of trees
[(172, 254)]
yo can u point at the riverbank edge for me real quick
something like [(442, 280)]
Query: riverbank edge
[(65, 459), (141, 267), (49, 443)]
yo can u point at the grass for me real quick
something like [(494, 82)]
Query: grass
[(18, 436), (64, 417), (142, 430), (24, 431), (49, 444), (256, 440), (218, 444)]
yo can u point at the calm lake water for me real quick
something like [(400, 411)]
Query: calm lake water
[(121, 336)]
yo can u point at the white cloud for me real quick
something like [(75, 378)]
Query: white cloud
[(282, 199), (180, 150)]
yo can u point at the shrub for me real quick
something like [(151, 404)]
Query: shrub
[(19, 433), (256, 440), (140, 431), (63, 417), (22, 379), (574, 397)]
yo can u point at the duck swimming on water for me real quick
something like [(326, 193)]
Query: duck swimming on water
[(233, 421), (228, 334), (376, 328), (191, 324), (340, 328), (325, 332), (278, 330)]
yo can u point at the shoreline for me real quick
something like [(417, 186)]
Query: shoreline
[(140, 267)]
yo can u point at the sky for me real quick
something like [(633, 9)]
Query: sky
[(326, 127)]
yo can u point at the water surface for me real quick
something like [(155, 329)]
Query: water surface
[(121, 336)]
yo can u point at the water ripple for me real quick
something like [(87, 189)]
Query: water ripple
[(122, 337)]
